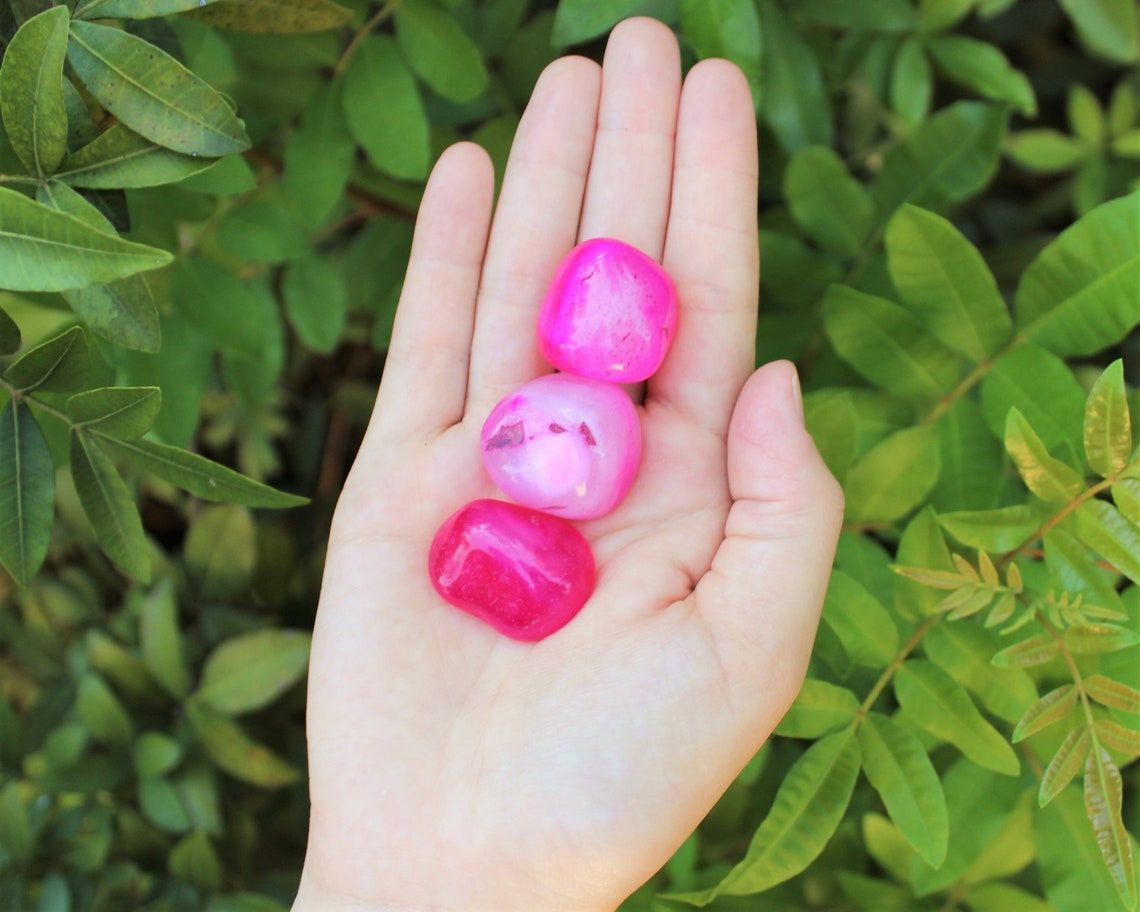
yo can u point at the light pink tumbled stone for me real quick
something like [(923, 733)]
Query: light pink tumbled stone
[(523, 572), (609, 313), (564, 444)]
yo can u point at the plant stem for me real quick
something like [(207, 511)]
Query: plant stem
[(1070, 507), (896, 664), (363, 32), (38, 403)]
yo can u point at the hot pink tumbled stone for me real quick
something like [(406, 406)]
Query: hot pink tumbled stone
[(610, 313), (564, 444), (523, 572)]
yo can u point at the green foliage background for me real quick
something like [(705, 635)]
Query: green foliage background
[(206, 208)]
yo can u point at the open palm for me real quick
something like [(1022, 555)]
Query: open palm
[(451, 767)]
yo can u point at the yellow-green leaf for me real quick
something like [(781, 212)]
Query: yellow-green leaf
[(1103, 795), (1117, 737), (1107, 531), (1048, 478), (31, 91), (249, 672), (195, 861), (1065, 765), (1036, 650), (235, 752), (1108, 426), (1052, 707), (1090, 639), (134, 9), (893, 477), (161, 640), (101, 712), (819, 709), (1112, 694), (861, 623), (282, 17)]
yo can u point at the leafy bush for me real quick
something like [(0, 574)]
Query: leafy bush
[(205, 215)]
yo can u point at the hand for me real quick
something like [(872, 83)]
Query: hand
[(453, 768)]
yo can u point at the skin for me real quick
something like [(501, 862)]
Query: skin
[(452, 768)]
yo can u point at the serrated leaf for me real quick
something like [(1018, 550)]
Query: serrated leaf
[(1079, 295), (945, 283), (795, 103), (897, 766), (125, 412), (1053, 707), (134, 9), (826, 201), (812, 799), (58, 365), (1112, 694), (1036, 650), (102, 713), (282, 17), (27, 493), (1093, 639), (996, 530), (729, 29), (161, 642), (1104, 792), (249, 672), (1107, 531), (439, 51), (319, 156), (934, 700), (42, 249), (819, 709), (1108, 425), (31, 91), (235, 752), (110, 507), (120, 158), (384, 110), (980, 66), (894, 476), (152, 93), (202, 477), (1108, 27), (861, 623), (1048, 478), (1065, 765)]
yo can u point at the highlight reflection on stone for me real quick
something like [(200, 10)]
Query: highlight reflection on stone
[(610, 313), (523, 572), (565, 445)]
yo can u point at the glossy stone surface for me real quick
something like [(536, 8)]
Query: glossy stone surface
[(565, 445), (610, 313), (523, 572)]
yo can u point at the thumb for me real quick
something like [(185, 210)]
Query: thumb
[(762, 598)]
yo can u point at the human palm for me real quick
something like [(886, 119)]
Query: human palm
[(451, 767)]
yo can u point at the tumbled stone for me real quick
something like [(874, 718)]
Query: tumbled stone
[(565, 445), (523, 572), (610, 313)]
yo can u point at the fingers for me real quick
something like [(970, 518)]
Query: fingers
[(535, 224), (627, 195), (711, 247), (761, 600), (425, 375)]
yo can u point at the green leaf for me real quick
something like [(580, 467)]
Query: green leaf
[(728, 29), (134, 9), (316, 301), (945, 283), (249, 672), (795, 103), (1002, 897), (120, 158), (319, 156), (9, 334), (965, 651), (235, 752), (1126, 496), (110, 507), (1108, 426), (202, 477), (439, 51), (1036, 650), (897, 766), (874, 15), (833, 423), (244, 902), (934, 700), (1045, 151), (384, 110), (1065, 765), (1108, 27), (122, 667), (42, 249), (282, 17), (945, 160), (152, 93), (577, 21), (812, 800), (27, 493), (195, 861), (912, 82), (993, 530), (1079, 295), (980, 66), (819, 709), (221, 551), (891, 479), (123, 412), (58, 365), (237, 315), (16, 834), (1048, 478), (1011, 850), (161, 640), (1053, 707), (1104, 792), (1112, 694), (161, 804), (1118, 738), (1105, 529), (155, 753), (937, 15), (861, 623), (101, 712), (826, 201), (888, 346), (31, 91), (1089, 639), (1086, 116)]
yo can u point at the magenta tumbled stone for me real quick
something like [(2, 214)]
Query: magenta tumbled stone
[(564, 444), (610, 313), (523, 572)]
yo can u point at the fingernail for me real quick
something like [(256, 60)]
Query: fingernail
[(797, 394)]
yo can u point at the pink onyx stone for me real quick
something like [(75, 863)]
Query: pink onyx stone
[(523, 572), (564, 444), (610, 313)]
